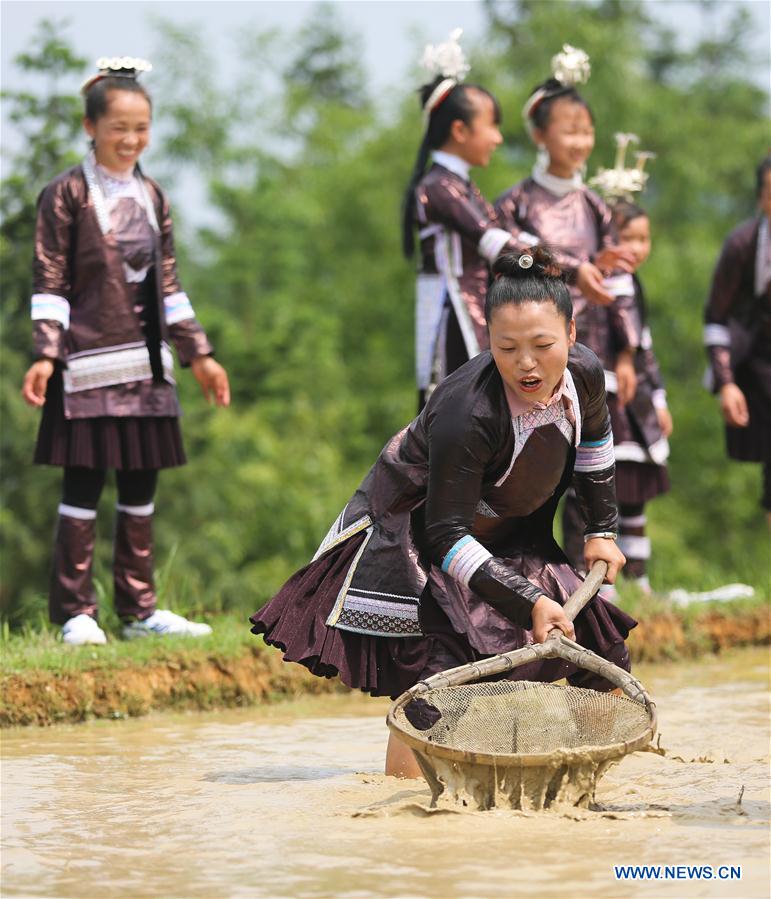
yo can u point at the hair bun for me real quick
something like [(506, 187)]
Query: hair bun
[(538, 262)]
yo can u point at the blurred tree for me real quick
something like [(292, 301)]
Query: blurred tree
[(298, 277), (48, 123)]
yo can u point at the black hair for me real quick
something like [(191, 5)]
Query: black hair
[(96, 95), (760, 174), (530, 277), (624, 211), (555, 90), (457, 105)]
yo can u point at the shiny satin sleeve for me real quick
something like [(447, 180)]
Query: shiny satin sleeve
[(508, 209), (594, 477), (459, 452), (623, 313), (650, 365), (185, 331), (724, 295), (169, 278), (460, 207), (48, 339), (51, 269), (190, 341)]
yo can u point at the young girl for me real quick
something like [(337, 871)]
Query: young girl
[(445, 552), (458, 233), (555, 207), (106, 299), (642, 426), (737, 334)]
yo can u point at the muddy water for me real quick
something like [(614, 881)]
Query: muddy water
[(290, 802)]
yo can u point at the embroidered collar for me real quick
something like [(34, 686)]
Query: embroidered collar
[(94, 179), (562, 409), (108, 175), (561, 187), (518, 406), (452, 162)]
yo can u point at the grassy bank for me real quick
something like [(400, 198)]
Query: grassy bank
[(42, 681)]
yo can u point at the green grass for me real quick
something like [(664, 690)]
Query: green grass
[(640, 606), (41, 649)]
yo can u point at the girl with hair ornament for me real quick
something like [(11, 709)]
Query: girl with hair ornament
[(737, 335), (445, 553), (641, 428), (457, 228), (106, 300), (553, 206)]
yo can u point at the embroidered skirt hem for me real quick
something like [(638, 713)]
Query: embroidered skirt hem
[(294, 621)]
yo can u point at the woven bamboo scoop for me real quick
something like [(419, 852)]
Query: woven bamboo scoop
[(520, 744)]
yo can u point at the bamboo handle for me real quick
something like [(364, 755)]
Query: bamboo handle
[(583, 594)]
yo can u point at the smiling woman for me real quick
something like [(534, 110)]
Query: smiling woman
[(445, 553), (118, 123), (106, 301)]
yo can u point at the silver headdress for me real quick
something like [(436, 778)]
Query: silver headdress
[(118, 67), (447, 60), (619, 183), (570, 67)]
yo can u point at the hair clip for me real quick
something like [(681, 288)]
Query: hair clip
[(525, 261)]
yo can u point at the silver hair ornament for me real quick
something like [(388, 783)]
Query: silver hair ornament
[(571, 66), (446, 59)]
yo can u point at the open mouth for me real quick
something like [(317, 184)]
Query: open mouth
[(530, 384)]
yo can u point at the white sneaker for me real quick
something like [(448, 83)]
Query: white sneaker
[(83, 629), (163, 623)]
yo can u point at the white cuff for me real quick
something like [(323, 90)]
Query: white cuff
[(76, 512), (635, 547), (633, 521), (526, 239), (177, 308), (50, 306), (595, 455), (659, 398), (492, 242), (464, 558), (620, 285), (717, 335), (141, 511)]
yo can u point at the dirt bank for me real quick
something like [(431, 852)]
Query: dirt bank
[(182, 680), (258, 676)]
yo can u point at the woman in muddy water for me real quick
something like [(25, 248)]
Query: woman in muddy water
[(106, 299), (445, 553)]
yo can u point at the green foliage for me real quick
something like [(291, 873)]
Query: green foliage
[(299, 280), (48, 124)]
